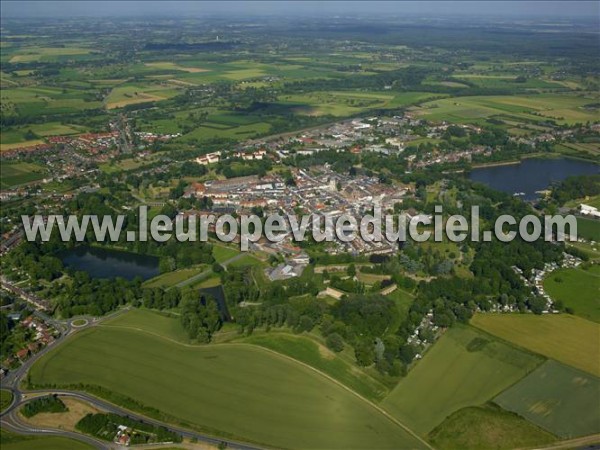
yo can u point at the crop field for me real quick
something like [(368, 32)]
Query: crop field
[(15, 174), (562, 108), (343, 103), (464, 368), (562, 284), (235, 390), (40, 100), (507, 82), (31, 54), (316, 355), (172, 66), (558, 398), (565, 338), (487, 427), (130, 94)]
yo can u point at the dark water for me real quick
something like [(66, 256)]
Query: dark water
[(106, 263), (532, 175), (217, 293)]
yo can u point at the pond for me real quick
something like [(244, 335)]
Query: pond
[(108, 263), (217, 293), (531, 175)]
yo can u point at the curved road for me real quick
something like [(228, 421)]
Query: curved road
[(10, 419)]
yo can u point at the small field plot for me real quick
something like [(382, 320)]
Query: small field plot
[(464, 368), (172, 278), (12, 441), (564, 283), (568, 339), (31, 54), (17, 173), (130, 94), (236, 390), (222, 253), (558, 398), (487, 427)]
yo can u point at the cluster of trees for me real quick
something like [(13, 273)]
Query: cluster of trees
[(576, 187), (104, 426), (46, 404), (199, 316)]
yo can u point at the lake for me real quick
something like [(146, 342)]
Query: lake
[(531, 175), (107, 263)]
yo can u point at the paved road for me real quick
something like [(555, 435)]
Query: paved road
[(13, 380)]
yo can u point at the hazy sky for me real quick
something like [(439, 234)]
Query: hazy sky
[(514, 8)]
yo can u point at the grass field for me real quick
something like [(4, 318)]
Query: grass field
[(6, 398), (17, 173), (558, 398), (344, 103), (172, 278), (222, 253), (464, 368), (562, 284), (237, 390), (12, 441), (588, 229), (562, 108), (130, 94), (317, 355), (487, 427), (30, 54), (568, 339)]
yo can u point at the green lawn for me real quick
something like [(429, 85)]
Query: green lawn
[(558, 398), (6, 398), (235, 390), (222, 253), (588, 229), (12, 441), (487, 427), (464, 368), (578, 289), (568, 339)]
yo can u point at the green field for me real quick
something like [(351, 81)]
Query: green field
[(487, 427), (464, 368), (222, 253), (588, 229), (578, 289), (129, 94), (558, 398), (561, 108), (6, 398), (17, 173), (317, 355), (568, 339), (12, 441), (344, 103), (172, 278), (235, 390)]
